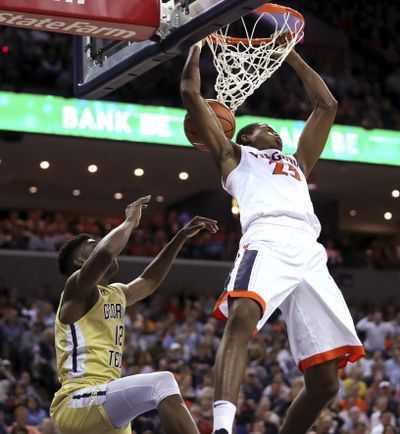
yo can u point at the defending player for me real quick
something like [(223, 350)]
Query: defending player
[(93, 399), (279, 263)]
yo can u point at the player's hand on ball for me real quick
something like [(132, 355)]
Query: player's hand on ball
[(197, 224), (133, 212)]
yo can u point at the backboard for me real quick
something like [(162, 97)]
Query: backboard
[(103, 65)]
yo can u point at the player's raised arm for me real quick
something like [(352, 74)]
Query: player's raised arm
[(315, 133), (225, 152), (158, 269), (93, 261)]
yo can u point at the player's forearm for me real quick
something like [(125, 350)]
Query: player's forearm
[(317, 90), (190, 80), (158, 269), (116, 240)]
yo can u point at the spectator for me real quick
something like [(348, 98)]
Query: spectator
[(392, 367), (36, 414), (20, 415), (351, 418), (47, 427), (7, 379), (334, 255), (11, 329), (325, 424), (386, 419), (203, 424), (355, 380), (376, 331), (252, 388), (359, 428)]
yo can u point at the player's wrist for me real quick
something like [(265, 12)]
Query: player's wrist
[(131, 223), (181, 235), (293, 57)]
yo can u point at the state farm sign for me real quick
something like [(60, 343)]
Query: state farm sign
[(134, 20)]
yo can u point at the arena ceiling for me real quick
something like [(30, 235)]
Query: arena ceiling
[(363, 188)]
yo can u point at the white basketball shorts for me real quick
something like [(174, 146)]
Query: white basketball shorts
[(281, 265)]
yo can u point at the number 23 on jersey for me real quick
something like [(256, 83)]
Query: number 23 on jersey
[(286, 169)]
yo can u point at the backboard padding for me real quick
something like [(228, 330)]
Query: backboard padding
[(94, 79)]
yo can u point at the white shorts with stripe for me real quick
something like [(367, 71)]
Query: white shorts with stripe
[(281, 265)]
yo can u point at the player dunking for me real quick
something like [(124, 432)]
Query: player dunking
[(93, 399), (279, 263)]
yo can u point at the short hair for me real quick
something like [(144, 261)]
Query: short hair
[(66, 254), (248, 130)]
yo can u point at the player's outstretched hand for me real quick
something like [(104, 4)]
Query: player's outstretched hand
[(197, 224), (133, 211), (281, 43)]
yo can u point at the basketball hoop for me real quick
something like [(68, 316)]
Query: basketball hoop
[(244, 62)]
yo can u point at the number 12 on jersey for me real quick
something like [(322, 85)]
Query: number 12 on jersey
[(119, 334)]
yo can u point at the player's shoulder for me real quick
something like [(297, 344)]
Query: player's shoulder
[(122, 287)]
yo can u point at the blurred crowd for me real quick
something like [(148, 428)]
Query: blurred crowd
[(46, 232), (382, 253), (364, 75), (369, 87), (179, 334)]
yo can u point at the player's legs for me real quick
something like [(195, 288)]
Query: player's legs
[(129, 397), (231, 359), (321, 386), (322, 338), (256, 286), (175, 417)]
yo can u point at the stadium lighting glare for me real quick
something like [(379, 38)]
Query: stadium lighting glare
[(44, 165), (76, 193), (33, 189), (92, 168), (387, 215), (353, 213), (183, 176), (138, 172), (396, 193)]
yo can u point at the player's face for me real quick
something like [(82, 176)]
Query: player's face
[(88, 249), (265, 137)]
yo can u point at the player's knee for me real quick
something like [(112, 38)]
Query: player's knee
[(244, 314), (165, 385)]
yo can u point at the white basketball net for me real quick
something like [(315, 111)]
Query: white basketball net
[(243, 67)]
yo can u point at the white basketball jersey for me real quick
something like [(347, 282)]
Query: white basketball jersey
[(268, 183)]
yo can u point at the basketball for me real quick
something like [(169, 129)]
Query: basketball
[(225, 117)]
